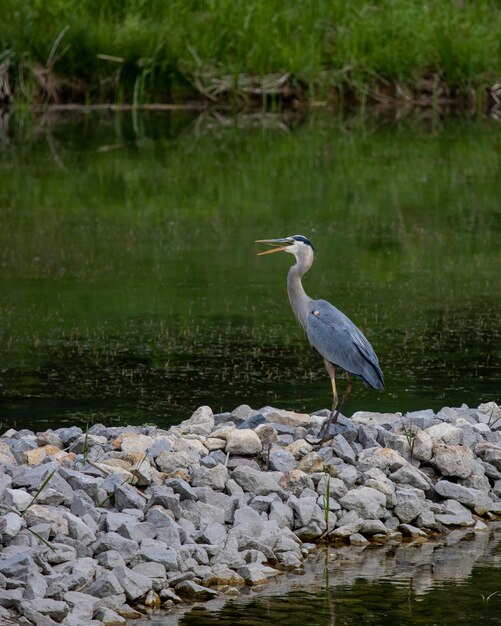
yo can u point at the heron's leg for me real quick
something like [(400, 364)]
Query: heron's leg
[(331, 370), (347, 390)]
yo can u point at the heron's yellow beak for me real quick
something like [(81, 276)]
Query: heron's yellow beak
[(276, 243)]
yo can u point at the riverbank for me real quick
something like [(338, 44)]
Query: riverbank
[(103, 525), (255, 52)]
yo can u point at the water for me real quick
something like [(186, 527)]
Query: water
[(130, 290), (441, 583)]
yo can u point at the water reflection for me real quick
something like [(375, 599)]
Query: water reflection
[(130, 290), (444, 582)]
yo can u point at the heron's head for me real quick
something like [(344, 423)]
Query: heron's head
[(299, 246)]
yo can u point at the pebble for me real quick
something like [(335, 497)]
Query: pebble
[(223, 501)]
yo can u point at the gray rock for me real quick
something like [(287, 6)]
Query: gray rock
[(152, 550), (368, 418), (343, 450), (200, 423), (79, 530), (256, 573), (281, 514), (162, 496), (193, 591), (214, 534), (139, 530), (182, 488), (349, 476), (10, 598), (367, 502), (134, 584), (472, 498), (54, 609), (77, 480), (17, 565), (126, 497), (215, 478), (108, 617), (11, 525), (255, 481), (358, 540), (110, 559), (114, 520), (455, 515), (408, 530), (17, 499), (104, 586), (113, 541), (282, 461), (410, 503), (409, 475)]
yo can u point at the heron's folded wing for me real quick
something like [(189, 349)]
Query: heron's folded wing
[(339, 341)]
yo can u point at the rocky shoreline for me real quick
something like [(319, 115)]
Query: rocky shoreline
[(108, 524)]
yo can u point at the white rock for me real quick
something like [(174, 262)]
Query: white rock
[(245, 442)]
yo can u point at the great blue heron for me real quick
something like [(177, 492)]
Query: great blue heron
[(333, 335)]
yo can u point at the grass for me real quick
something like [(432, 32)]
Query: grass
[(137, 51)]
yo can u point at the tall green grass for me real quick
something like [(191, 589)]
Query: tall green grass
[(142, 50)]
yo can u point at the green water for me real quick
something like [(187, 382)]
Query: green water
[(130, 290), (442, 583)]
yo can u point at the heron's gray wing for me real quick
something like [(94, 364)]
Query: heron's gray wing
[(339, 341)]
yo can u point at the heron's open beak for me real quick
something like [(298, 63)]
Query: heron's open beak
[(278, 245)]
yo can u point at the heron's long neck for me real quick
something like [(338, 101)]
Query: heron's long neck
[(297, 295)]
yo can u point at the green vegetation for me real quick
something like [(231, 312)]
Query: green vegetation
[(139, 51)]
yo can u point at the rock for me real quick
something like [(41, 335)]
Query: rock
[(349, 476), (281, 514), (108, 617), (134, 584), (215, 478), (472, 498), (113, 541), (170, 462), (289, 418), (11, 525), (367, 502), (455, 515), (104, 586), (381, 458), (411, 531), (255, 481), (256, 573), (358, 540), (453, 460), (445, 433), (410, 503), (346, 530), (282, 460), (421, 446), (245, 442), (222, 575), (411, 476), (295, 481), (152, 550), (191, 590), (368, 418), (10, 598), (182, 488), (337, 488), (311, 463), (200, 423), (373, 527), (343, 450), (17, 499)]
